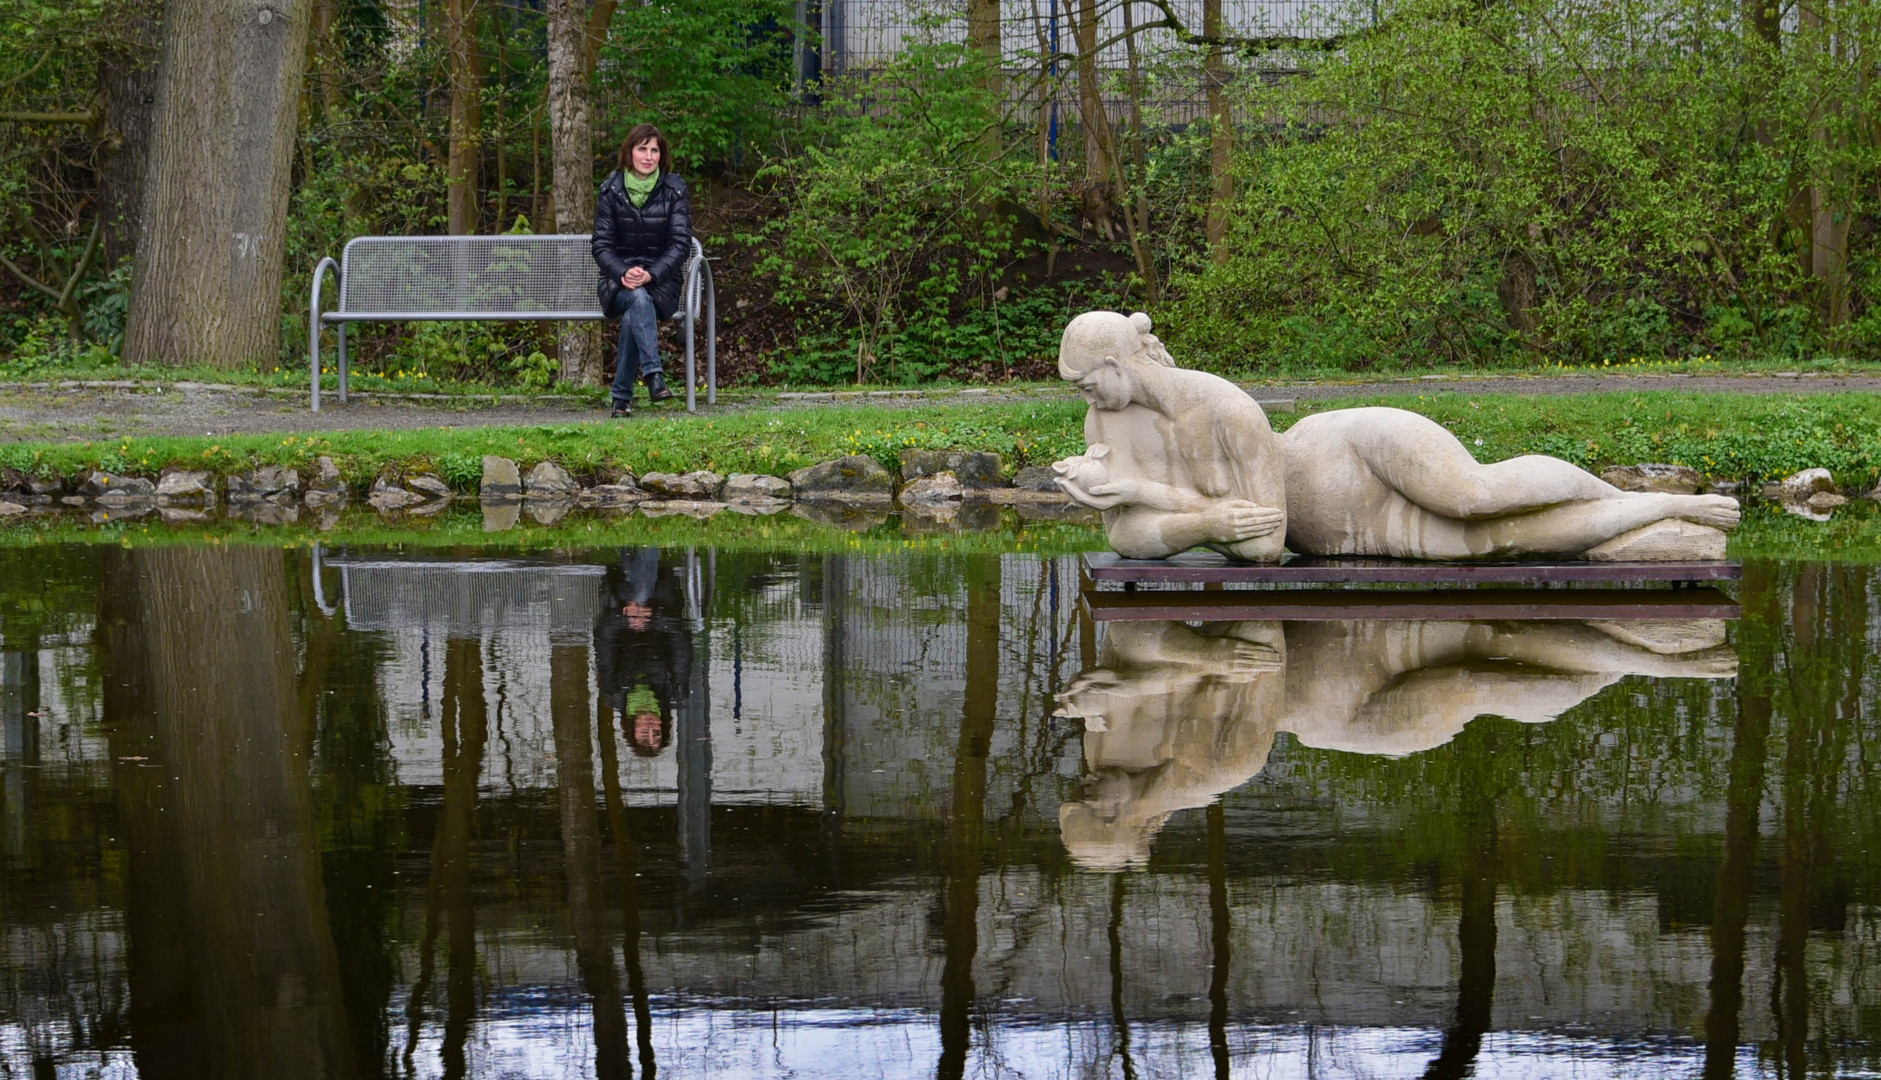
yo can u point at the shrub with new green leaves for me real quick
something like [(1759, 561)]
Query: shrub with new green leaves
[(898, 215), (1474, 183)]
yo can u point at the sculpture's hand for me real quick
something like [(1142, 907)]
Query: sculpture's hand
[(1247, 659), (1238, 519), (1100, 496)]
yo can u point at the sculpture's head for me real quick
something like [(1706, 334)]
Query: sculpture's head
[(1099, 351), (1102, 831)]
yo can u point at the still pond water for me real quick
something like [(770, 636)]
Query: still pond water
[(695, 812)]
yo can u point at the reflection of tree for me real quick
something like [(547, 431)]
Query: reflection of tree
[(966, 823), (581, 856), (357, 805), (448, 895), (1476, 931), (627, 868), (232, 964), (1743, 804), (1823, 668)]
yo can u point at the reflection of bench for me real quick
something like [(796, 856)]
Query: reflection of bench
[(467, 597), (489, 278)]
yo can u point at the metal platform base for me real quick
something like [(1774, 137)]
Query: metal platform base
[(1324, 605), (1210, 569)]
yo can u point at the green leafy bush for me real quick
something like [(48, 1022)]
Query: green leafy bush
[(1584, 181), (898, 216)]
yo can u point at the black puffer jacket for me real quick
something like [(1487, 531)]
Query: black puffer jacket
[(657, 236)]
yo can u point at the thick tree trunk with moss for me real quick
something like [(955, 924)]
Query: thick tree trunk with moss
[(212, 241), (127, 86), (572, 147)]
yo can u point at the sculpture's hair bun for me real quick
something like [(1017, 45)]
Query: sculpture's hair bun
[(1141, 321)]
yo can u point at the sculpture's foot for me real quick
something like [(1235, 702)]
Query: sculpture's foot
[(1662, 541)]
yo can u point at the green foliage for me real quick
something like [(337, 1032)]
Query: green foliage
[(713, 74), (900, 216), (1471, 186)]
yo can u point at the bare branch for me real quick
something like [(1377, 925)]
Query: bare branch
[(83, 263), (28, 279), (29, 72), (48, 117)]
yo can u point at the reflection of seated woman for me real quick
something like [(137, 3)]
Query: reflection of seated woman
[(643, 648)]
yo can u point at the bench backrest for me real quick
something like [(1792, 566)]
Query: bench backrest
[(476, 277)]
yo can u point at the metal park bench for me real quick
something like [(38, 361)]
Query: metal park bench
[(489, 278)]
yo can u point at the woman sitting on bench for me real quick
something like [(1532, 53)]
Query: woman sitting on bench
[(642, 236)]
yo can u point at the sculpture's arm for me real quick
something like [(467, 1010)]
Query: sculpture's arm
[(1149, 534)]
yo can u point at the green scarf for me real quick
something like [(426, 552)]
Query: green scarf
[(639, 189), (642, 699)]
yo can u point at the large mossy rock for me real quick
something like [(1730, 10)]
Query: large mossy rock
[(855, 478), (973, 468)]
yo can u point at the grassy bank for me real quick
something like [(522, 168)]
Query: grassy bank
[(417, 379), (1740, 437)]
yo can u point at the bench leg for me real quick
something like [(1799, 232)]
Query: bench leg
[(342, 363), (692, 380), (711, 340), (313, 360)]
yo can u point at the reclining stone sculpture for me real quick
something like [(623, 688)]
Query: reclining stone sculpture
[(1191, 461)]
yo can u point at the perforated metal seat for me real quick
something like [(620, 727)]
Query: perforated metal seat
[(489, 278)]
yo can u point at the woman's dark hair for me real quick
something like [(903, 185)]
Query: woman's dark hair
[(641, 133)]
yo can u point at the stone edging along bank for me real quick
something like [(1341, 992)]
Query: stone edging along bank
[(933, 482)]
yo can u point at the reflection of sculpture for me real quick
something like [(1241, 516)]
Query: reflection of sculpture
[(1173, 718), (1176, 716), (1193, 462)]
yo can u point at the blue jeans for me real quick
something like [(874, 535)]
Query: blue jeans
[(639, 353)]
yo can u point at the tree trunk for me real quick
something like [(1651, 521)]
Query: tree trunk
[(1220, 137), (460, 31), (1829, 212), (211, 244), (983, 39), (1091, 97), (572, 148), (127, 82)]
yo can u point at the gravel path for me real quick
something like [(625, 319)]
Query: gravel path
[(92, 410)]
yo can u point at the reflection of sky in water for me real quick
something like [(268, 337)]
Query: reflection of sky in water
[(694, 1037)]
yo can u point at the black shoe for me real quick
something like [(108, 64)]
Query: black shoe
[(622, 411), (656, 388)]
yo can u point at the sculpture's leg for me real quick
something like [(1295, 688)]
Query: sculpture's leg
[(1447, 480), (1587, 648), (1578, 526)]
